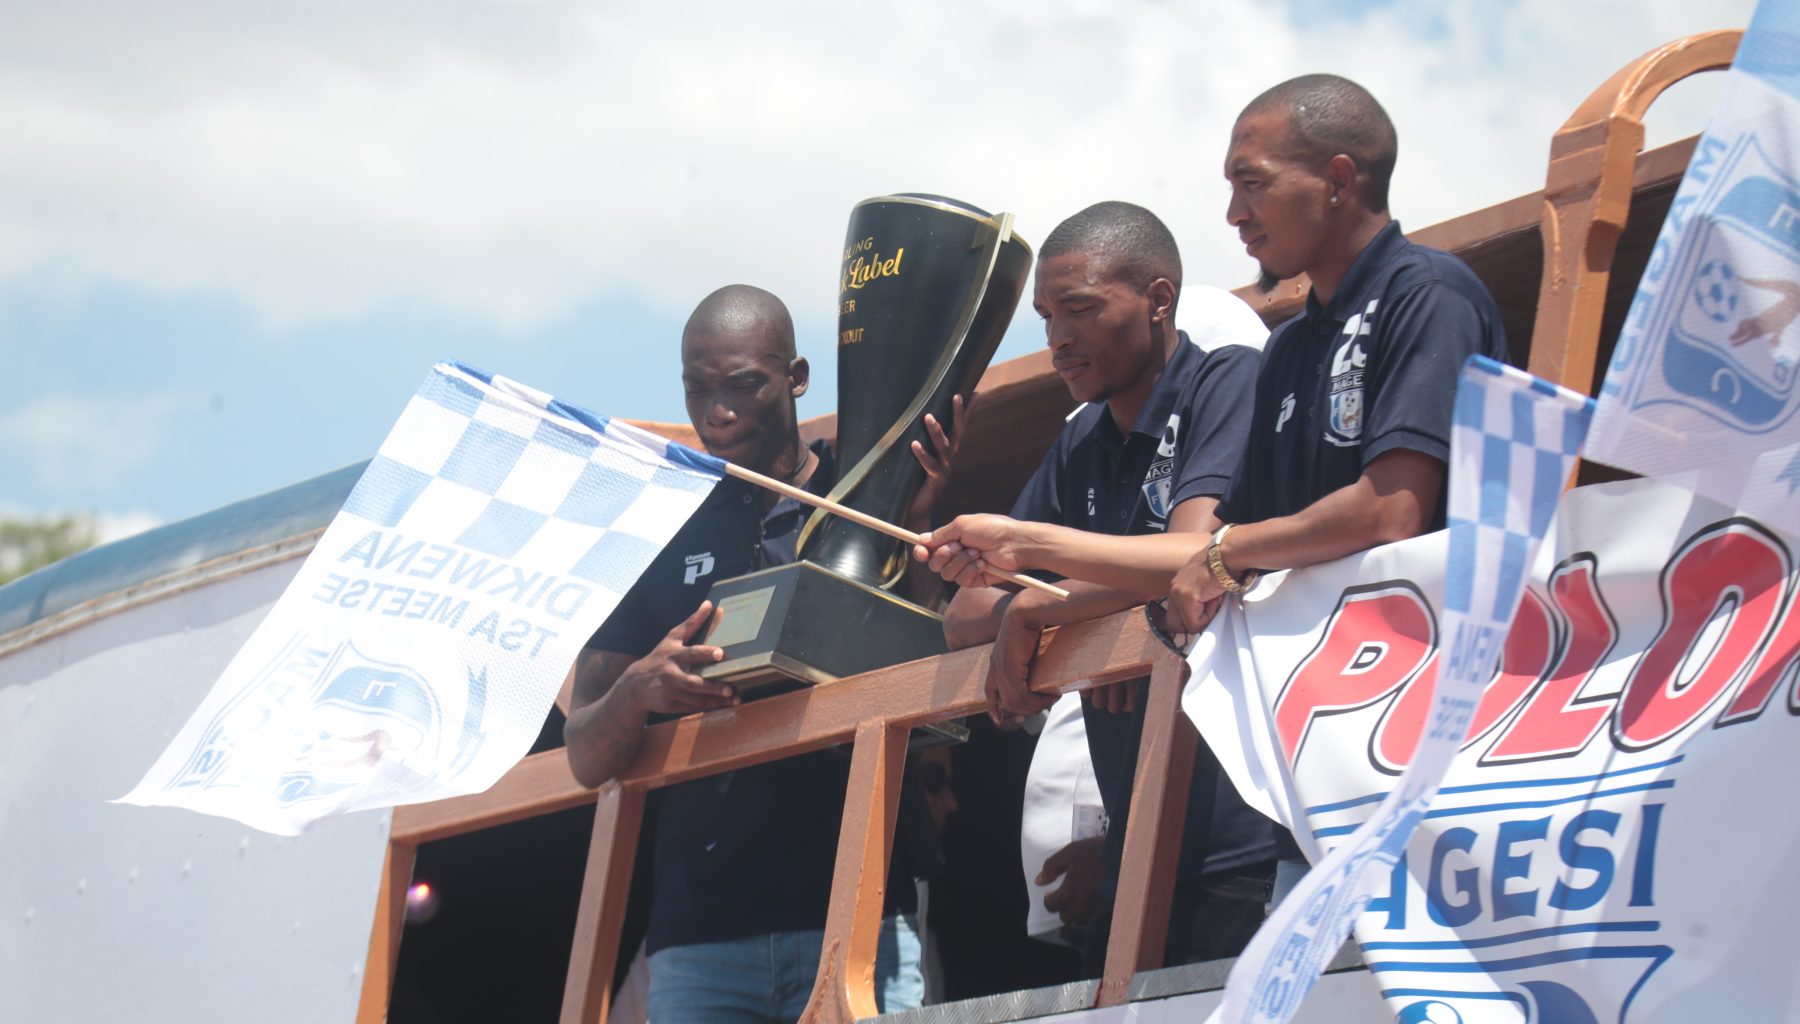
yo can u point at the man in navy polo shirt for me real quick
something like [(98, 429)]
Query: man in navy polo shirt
[(1351, 433), (1151, 452), (743, 861)]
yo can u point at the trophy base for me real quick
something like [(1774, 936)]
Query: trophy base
[(801, 625)]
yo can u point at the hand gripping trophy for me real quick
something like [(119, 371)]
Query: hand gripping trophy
[(926, 290)]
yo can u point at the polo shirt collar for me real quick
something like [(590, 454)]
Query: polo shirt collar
[(1347, 300), (824, 475), (1154, 416)]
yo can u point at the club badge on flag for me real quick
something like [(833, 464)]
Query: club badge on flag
[(419, 647), (1513, 444), (1702, 389)]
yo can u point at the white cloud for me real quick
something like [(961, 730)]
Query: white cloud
[(510, 160), (113, 526), (85, 441)]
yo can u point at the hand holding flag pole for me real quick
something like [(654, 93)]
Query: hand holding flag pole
[(862, 519)]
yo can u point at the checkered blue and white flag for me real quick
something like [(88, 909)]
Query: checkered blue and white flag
[(1512, 446), (1702, 390), (418, 649)]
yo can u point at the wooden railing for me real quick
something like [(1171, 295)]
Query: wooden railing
[(1586, 200), (874, 712)]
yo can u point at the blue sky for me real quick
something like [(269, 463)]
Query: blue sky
[(233, 237)]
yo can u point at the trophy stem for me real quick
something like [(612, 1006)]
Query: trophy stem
[(884, 477)]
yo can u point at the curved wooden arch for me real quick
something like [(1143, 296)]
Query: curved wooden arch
[(1587, 196)]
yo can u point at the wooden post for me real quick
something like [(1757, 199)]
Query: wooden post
[(1159, 794), (845, 989), (587, 992), (384, 936)]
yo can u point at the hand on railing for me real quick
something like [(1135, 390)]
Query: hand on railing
[(1010, 698), (1195, 597)]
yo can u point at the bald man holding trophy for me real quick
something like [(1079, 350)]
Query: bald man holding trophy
[(926, 290)]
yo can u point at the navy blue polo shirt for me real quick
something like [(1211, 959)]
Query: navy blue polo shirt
[(1185, 444), (748, 852), (1373, 370)]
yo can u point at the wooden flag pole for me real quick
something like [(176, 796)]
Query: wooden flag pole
[(861, 519)]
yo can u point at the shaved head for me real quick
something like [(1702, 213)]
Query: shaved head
[(1328, 115), (1125, 242), (741, 376), (742, 311)]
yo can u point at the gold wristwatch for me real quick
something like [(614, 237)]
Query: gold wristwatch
[(1215, 560)]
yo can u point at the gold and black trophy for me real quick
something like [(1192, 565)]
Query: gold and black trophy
[(927, 288)]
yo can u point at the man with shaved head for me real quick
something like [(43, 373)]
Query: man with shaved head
[(1351, 435), (1351, 432), (1150, 453), (743, 861)]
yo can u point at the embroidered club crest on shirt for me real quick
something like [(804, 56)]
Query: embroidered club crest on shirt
[(1165, 449), (1159, 480), (1345, 425)]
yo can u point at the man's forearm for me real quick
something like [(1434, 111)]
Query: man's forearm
[(1381, 507), (603, 737), (973, 617), (1142, 564), (1086, 601)]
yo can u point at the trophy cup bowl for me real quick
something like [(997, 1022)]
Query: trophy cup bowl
[(925, 293)]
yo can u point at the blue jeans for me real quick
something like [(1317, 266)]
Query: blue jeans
[(768, 978)]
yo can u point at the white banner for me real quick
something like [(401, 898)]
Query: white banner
[(419, 648), (1512, 446), (1613, 842)]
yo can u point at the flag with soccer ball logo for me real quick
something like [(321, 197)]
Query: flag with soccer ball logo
[(1701, 390)]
